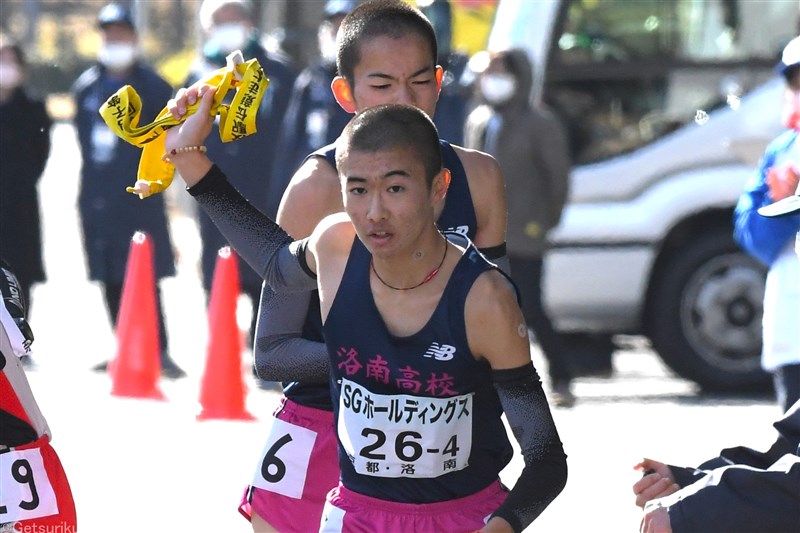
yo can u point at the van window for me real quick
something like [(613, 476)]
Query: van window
[(621, 74)]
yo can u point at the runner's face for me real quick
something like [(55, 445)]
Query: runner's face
[(396, 71), (386, 195)]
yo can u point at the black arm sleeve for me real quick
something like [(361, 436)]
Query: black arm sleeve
[(281, 353), (264, 245), (497, 255), (545, 473)]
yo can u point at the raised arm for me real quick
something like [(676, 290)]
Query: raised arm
[(285, 265), (497, 332)]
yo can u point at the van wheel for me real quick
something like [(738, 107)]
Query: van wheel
[(704, 314)]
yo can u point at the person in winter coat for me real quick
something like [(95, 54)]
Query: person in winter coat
[(743, 489), (530, 146), (110, 216), (454, 96), (770, 240), (313, 119), (25, 146), (229, 26)]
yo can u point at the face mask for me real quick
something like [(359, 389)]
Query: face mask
[(228, 37), (10, 76), (117, 56), (498, 88), (327, 46)]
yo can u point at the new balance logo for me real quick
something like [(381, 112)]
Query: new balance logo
[(461, 230), (441, 352)]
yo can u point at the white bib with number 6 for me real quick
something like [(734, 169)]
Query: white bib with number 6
[(283, 465), (25, 490), (398, 435)]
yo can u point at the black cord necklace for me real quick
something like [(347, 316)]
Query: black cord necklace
[(421, 283)]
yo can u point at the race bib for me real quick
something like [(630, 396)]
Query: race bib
[(283, 465), (399, 435), (25, 489)]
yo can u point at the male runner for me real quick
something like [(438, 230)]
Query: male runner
[(427, 342), (387, 54)]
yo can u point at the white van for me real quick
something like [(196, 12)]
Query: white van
[(668, 105)]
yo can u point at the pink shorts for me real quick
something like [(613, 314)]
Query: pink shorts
[(297, 469), (351, 512)]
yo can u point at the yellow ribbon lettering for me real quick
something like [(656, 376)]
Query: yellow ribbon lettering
[(122, 110)]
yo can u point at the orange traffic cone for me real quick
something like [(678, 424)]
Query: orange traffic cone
[(222, 388), (136, 367)]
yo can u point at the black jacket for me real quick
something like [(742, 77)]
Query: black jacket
[(743, 490), (314, 119), (110, 215), (24, 148)]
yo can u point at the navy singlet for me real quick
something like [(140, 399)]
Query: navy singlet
[(418, 418), (458, 215)]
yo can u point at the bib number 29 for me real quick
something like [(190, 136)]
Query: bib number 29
[(25, 490), (22, 473)]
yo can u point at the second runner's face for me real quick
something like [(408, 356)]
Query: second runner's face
[(387, 198), (396, 71)]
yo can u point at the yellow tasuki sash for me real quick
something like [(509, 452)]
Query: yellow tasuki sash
[(122, 110)]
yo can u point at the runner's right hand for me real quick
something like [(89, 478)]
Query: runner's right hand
[(196, 128)]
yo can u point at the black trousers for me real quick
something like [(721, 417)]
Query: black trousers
[(527, 274), (113, 296)]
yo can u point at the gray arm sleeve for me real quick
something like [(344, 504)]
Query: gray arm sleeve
[(545, 472), (264, 245), (281, 353)]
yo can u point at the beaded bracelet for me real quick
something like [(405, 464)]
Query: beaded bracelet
[(183, 150)]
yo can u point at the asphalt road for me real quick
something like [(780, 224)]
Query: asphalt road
[(145, 465)]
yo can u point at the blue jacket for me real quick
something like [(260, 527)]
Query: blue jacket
[(764, 237), (109, 214)]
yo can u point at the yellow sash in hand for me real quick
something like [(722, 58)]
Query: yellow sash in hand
[(122, 110)]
